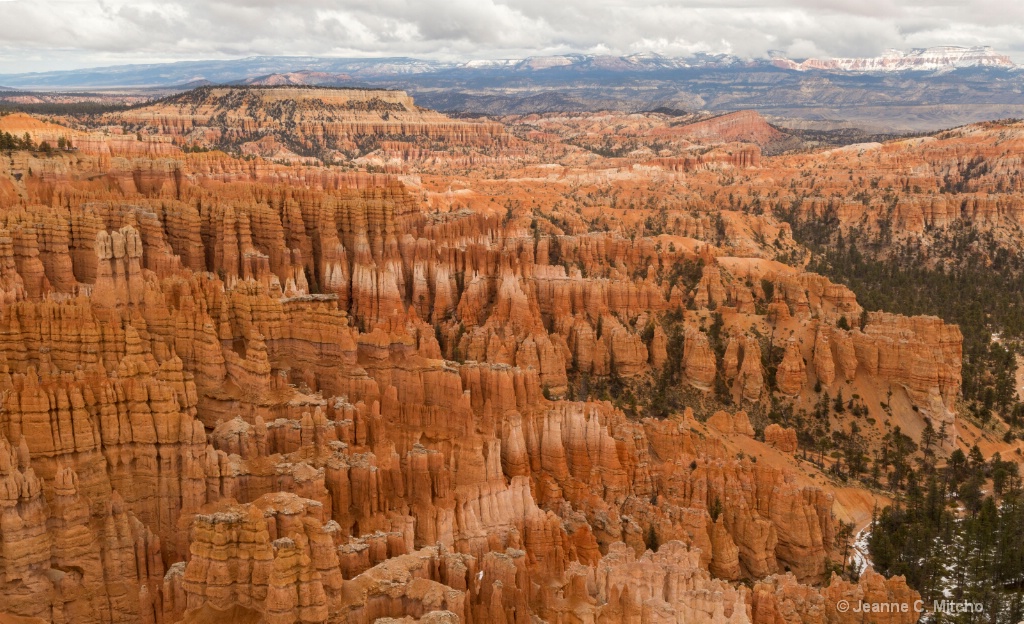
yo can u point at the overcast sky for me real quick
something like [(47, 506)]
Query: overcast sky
[(40, 35)]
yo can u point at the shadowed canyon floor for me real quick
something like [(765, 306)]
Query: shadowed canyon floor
[(321, 355)]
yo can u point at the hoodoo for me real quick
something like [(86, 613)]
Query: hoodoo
[(287, 354)]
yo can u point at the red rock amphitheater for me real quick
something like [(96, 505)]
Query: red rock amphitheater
[(241, 389)]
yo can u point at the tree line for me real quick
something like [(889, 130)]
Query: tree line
[(10, 142), (956, 532)]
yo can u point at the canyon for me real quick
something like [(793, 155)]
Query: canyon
[(293, 354)]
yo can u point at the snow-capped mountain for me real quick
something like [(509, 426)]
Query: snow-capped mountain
[(402, 71), (918, 59)]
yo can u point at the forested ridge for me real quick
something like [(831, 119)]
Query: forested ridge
[(956, 527), (963, 275)]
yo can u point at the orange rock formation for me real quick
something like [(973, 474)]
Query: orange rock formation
[(235, 389)]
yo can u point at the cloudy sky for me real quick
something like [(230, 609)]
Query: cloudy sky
[(40, 35)]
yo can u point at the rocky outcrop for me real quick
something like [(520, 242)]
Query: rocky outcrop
[(921, 354), (845, 354), (782, 438), (731, 423), (698, 360), (824, 365), (666, 585), (792, 373), (304, 121), (745, 126), (273, 556), (750, 378), (65, 562), (782, 599)]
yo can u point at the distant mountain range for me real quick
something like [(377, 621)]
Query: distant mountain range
[(922, 89), (919, 59), (240, 70)]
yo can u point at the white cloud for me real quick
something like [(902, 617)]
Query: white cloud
[(56, 34)]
